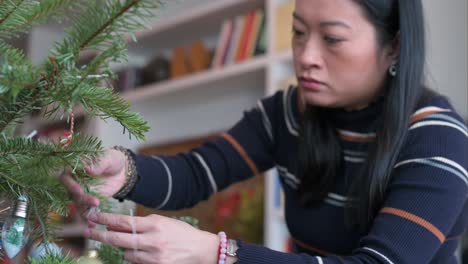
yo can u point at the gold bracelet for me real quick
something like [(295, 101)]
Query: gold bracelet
[(131, 175)]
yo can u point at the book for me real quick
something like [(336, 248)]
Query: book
[(179, 66), (198, 57), (226, 30), (246, 31), (227, 43), (255, 34), (261, 44), (234, 45), (283, 26)]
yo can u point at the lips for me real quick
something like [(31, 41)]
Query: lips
[(311, 84)]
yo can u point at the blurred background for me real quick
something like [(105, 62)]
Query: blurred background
[(196, 68)]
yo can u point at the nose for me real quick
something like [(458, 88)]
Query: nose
[(310, 55)]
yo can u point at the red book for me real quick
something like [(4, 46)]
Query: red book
[(255, 33), (241, 51)]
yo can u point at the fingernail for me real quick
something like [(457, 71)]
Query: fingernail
[(92, 217)]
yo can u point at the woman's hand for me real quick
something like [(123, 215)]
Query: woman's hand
[(155, 239), (111, 168)]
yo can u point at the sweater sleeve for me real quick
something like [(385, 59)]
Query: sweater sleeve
[(424, 209), (181, 181)]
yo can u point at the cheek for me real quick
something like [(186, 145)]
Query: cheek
[(354, 70)]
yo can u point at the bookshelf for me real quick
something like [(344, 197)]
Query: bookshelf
[(196, 104), (251, 67)]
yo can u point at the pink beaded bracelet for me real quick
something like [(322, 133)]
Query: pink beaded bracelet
[(222, 247)]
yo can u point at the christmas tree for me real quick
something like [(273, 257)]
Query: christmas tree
[(28, 167)]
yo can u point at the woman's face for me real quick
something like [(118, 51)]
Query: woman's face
[(337, 56)]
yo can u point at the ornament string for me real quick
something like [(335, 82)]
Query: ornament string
[(68, 135), (41, 223), (5, 209), (135, 240)]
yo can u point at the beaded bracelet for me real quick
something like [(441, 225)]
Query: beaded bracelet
[(131, 175), (222, 247)]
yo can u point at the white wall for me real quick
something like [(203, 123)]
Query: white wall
[(448, 50)]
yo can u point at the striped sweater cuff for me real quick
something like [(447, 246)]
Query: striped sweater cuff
[(256, 254)]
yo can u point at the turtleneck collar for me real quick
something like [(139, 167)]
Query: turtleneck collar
[(358, 120)]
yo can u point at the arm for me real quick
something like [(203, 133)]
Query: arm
[(424, 211), (175, 182)]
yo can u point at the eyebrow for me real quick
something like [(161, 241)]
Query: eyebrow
[(323, 24)]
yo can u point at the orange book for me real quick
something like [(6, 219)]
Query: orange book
[(198, 57), (249, 19), (178, 65)]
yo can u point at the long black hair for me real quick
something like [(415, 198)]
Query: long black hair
[(319, 149)]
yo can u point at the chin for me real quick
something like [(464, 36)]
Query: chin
[(320, 101)]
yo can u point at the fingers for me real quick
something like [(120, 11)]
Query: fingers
[(123, 223), (116, 239), (71, 185), (77, 193)]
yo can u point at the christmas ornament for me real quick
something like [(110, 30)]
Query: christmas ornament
[(42, 249), (68, 135), (90, 258), (15, 230)]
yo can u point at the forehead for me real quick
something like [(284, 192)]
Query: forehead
[(312, 12)]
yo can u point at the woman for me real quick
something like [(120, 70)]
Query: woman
[(373, 165)]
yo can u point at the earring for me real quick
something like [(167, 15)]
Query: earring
[(393, 69)]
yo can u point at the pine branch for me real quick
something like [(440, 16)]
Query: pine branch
[(86, 147), (13, 7), (110, 255), (105, 19), (14, 111), (28, 166), (19, 17), (53, 259), (16, 71), (102, 101)]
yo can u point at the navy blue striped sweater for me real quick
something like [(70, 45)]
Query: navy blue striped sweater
[(423, 215)]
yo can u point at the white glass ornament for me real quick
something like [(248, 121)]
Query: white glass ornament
[(15, 230), (41, 250), (90, 258)]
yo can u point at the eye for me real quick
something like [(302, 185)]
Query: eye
[(332, 40), (297, 33)]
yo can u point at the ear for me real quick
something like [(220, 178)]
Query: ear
[(393, 51)]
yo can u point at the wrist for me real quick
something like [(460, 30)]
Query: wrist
[(130, 173), (209, 248)]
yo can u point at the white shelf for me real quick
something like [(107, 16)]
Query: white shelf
[(251, 66), (283, 57), (199, 22), (279, 213), (216, 9)]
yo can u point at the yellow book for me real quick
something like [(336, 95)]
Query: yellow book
[(283, 26)]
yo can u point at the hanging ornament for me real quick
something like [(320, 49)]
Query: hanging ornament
[(42, 249), (90, 258), (15, 230), (68, 135), (66, 139)]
